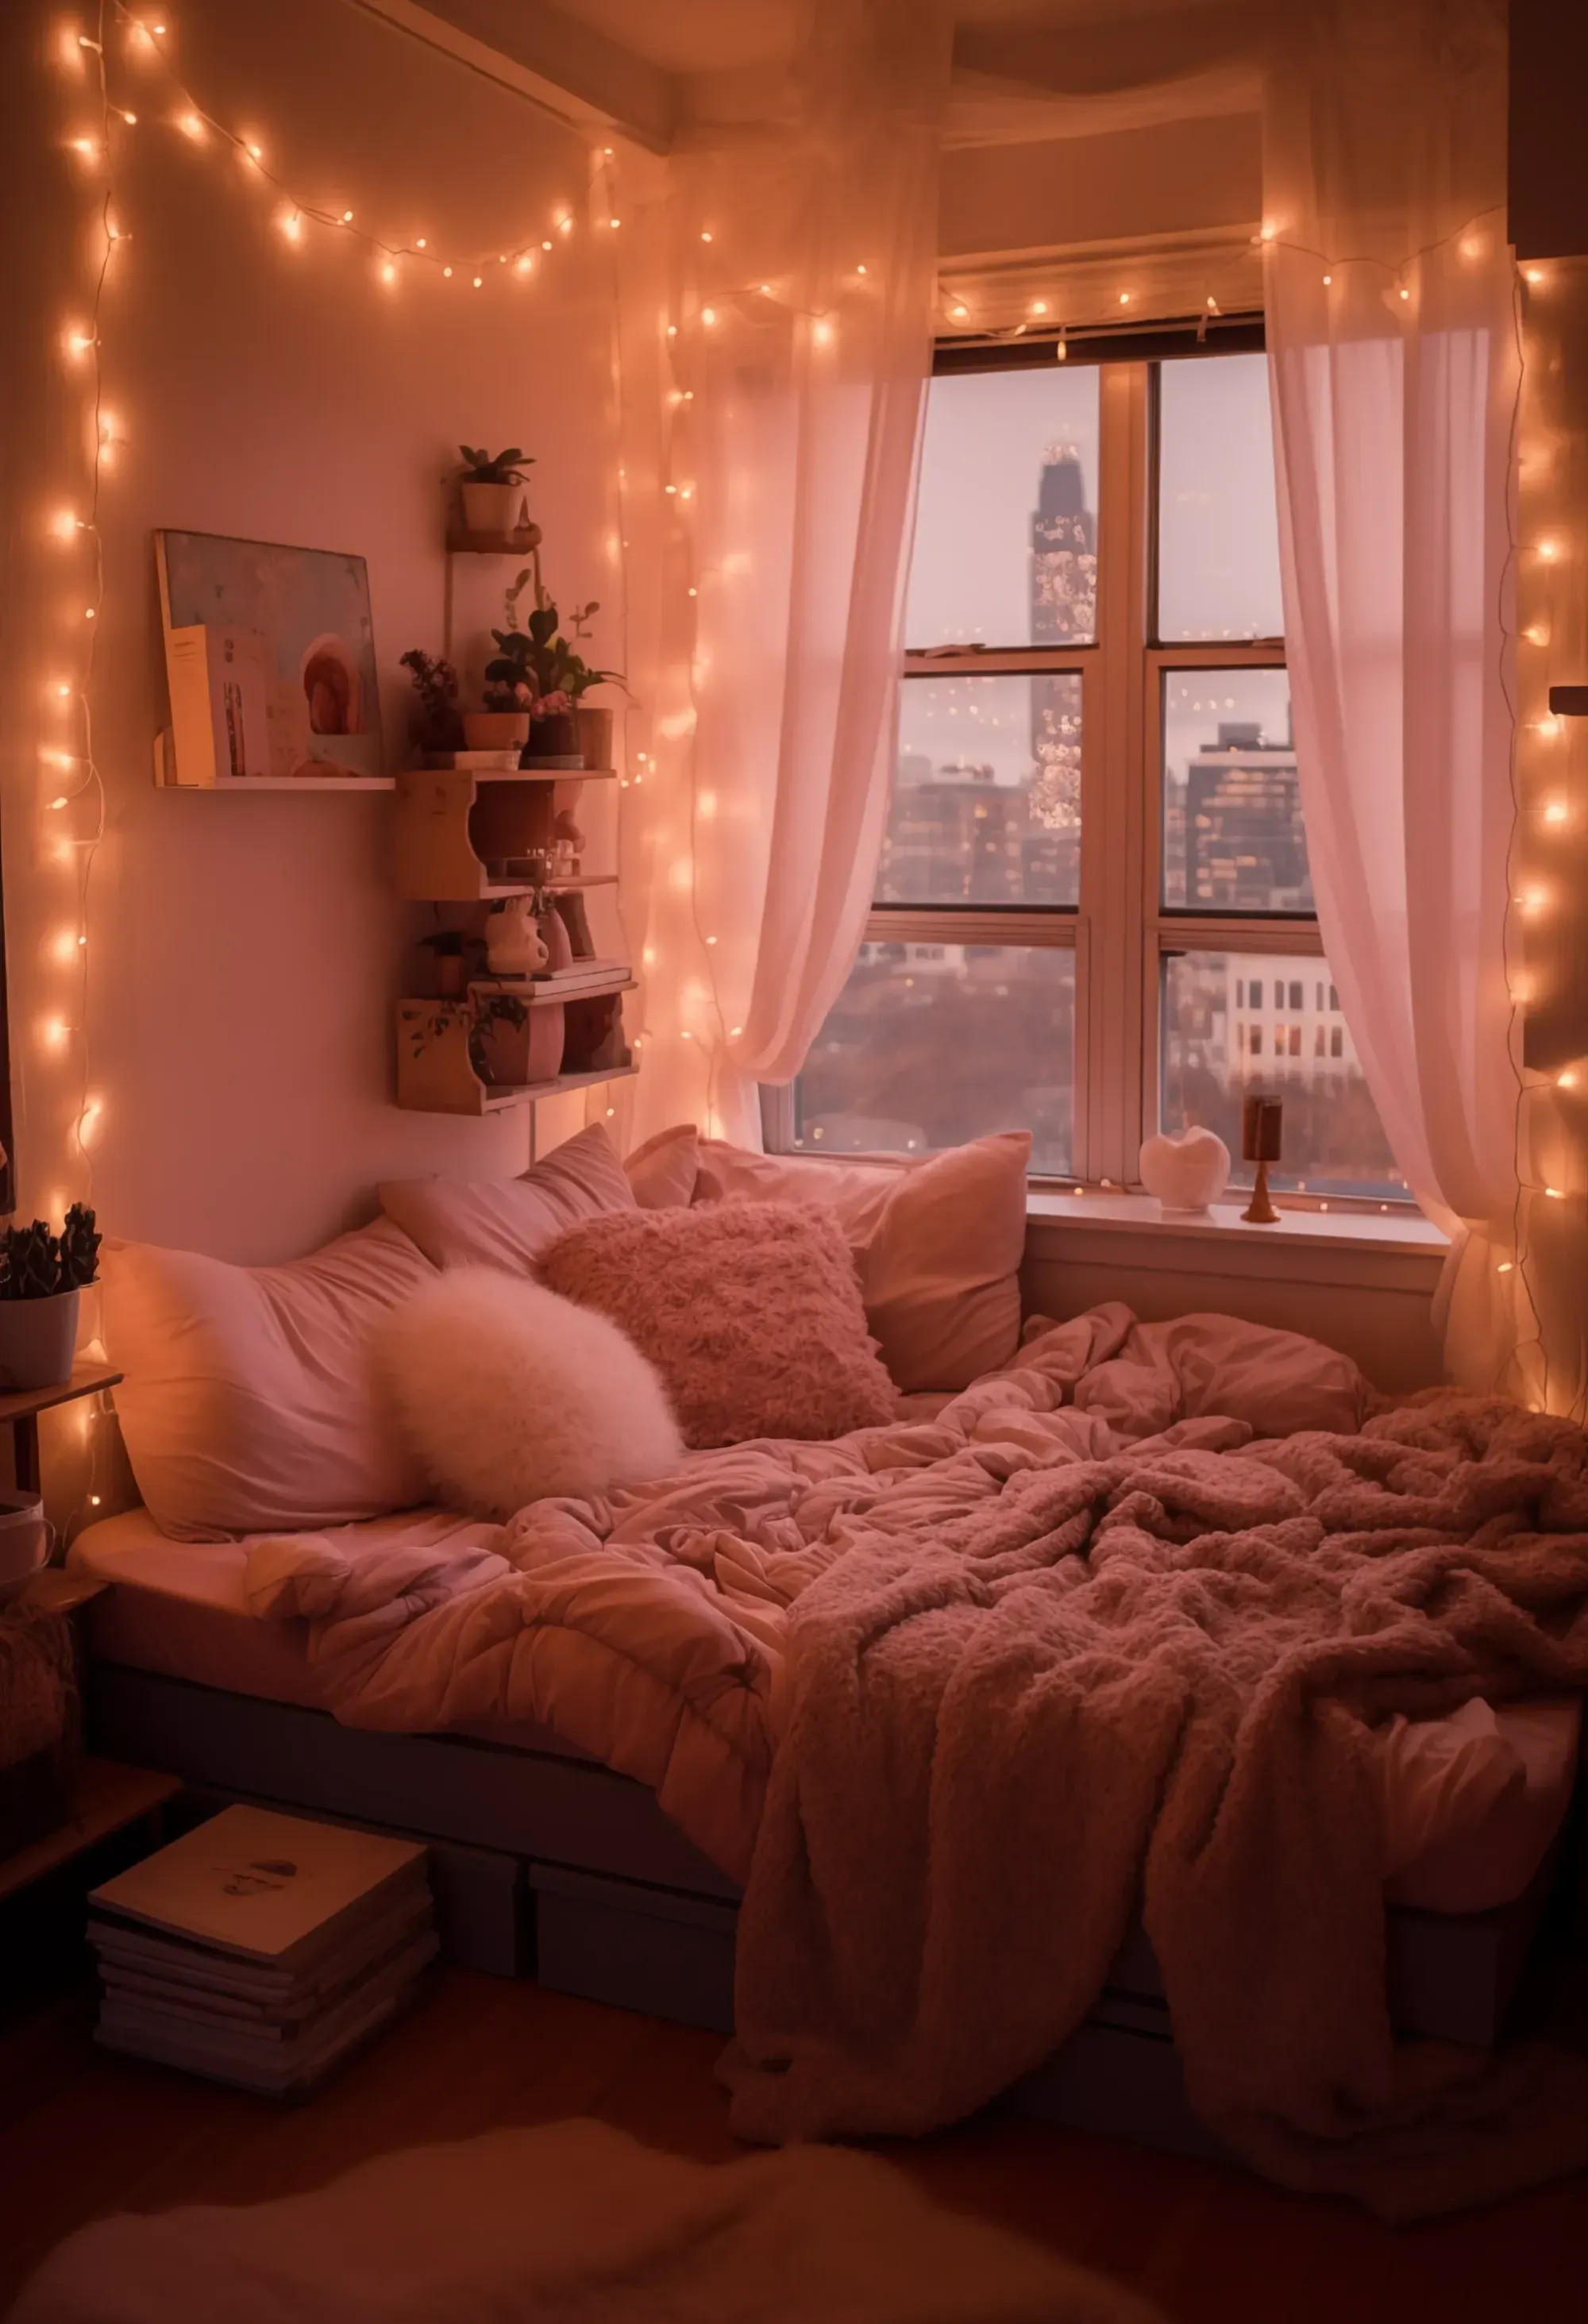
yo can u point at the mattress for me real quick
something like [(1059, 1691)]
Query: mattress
[(1472, 1802), (177, 1608)]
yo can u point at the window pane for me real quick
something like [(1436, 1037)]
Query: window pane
[(928, 1045), (986, 805), (1232, 1026), (1005, 534), (1233, 835), (1218, 535)]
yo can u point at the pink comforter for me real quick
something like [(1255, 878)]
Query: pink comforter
[(651, 1630)]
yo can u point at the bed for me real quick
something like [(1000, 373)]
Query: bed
[(970, 1714)]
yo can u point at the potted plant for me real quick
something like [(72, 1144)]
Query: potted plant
[(447, 948), (41, 1276), (545, 676), (437, 726), (493, 487)]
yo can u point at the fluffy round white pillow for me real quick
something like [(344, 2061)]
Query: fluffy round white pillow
[(509, 1394)]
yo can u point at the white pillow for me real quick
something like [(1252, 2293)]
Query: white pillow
[(509, 1394), (249, 1404)]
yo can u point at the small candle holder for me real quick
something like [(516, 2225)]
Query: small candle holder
[(1261, 1141)]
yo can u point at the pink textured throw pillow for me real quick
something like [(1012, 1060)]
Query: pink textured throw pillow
[(507, 1222), (749, 1312), (938, 1243)]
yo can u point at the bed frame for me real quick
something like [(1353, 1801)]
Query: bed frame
[(546, 1864)]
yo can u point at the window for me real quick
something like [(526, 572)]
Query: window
[(1094, 912)]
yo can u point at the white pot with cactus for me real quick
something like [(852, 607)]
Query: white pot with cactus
[(41, 1277)]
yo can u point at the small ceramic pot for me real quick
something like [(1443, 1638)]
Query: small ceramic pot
[(592, 726), (492, 508), (25, 1542), (553, 741), (495, 729), (37, 1339)]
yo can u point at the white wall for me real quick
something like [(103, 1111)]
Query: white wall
[(243, 953)]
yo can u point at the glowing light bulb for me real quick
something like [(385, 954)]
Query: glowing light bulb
[(1534, 899), (255, 152), (86, 146), (1124, 297), (90, 613), (130, 119), (705, 237), (734, 1031), (524, 263), (94, 1500), (960, 314), (1269, 231), (347, 217), (1549, 550), (708, 315), (863, 269), (388, 272), (62, 692), (1506, 1267), (1406, 294), (1567, 1080), (545, 245), (191, 127), (56, 805), (821, 331), (292, 226), (1549, 727), (1533, 274), (1555, 1194), (1213, 304), (63, 524), (672, 330), (1328, 280), (77, 343), (1538, 634), (445, 269), (1555, 810), (613, 224), (53, 1032)]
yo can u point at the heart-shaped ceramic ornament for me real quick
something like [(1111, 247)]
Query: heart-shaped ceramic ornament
[(1186, 1173)]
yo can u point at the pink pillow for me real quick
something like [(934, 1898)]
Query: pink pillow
[(749, 1312), (661, 1173), (938, 1244), (249, 1404), (508, 1222)]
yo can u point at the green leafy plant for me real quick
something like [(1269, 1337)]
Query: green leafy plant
[(482, 467), (35, 1264), (537, 668)]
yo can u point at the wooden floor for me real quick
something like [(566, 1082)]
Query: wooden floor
[(83, 2133)]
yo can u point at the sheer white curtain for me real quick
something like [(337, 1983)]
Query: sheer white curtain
[(1388, 293), (776, 284)]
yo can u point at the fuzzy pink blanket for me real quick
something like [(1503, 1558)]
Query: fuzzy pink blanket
[(1149, 1681)]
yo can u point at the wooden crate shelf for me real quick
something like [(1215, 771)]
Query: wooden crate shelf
[(438, 847), (436, 1074)]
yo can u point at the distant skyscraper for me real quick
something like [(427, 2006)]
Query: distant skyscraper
[(1063, 554)]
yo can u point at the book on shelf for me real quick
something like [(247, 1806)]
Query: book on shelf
[(581, 976), (260, 1947), (480, 762)]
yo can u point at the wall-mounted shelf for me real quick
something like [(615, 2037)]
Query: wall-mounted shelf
[(462, 542), (436, 1074), (447, 835), (164, 760)]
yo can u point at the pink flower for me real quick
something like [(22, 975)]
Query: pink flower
[(552, 706), (524, 696)]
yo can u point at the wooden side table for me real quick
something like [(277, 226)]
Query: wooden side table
[(22, 1410)]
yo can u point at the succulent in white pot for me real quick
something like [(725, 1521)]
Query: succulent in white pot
[(41, 1277), (492, 489)]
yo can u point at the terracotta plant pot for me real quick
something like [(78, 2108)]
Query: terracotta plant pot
[(593, 728), (37, 1338), (493, 508), (495, 729)]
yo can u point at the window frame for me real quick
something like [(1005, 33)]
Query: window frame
[(1119, 929)]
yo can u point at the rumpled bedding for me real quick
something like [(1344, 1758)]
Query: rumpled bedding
[(651, 1630), (1112, 1631)]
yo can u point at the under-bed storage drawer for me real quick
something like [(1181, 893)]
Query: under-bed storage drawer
[(655, 1949)]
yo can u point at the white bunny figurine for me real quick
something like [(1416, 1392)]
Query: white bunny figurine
[(512, 944)]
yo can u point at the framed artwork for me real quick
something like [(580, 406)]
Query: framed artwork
[(270, 661)]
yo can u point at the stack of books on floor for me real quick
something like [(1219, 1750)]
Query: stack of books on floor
[(260, 1949)]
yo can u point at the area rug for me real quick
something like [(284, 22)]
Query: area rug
[(574, 2223)]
